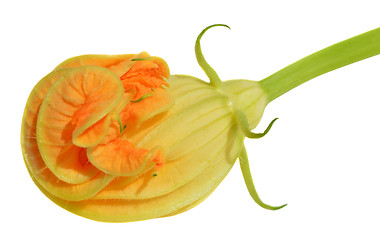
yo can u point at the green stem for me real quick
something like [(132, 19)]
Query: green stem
[(338, 55)]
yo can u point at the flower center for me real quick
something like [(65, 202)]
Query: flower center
[(144, 97)]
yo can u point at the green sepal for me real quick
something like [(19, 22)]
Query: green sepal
[(210, 72), (242, 120), (245, 169)]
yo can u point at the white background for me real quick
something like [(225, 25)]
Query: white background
[(321, 157)]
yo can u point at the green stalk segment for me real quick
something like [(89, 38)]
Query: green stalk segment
[(338, 55)]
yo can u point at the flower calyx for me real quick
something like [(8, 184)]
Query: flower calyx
[(247, 102)]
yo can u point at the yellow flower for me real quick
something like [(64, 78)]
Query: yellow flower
[(117, 138), (114, 138)]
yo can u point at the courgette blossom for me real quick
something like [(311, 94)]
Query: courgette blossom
[(117, 138)]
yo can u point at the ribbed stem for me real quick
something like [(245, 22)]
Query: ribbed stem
[(338, 55)]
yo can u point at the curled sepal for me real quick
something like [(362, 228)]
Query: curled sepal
[(244, 165), (210, 72), (242, 120)]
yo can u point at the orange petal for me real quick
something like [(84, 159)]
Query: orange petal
[(137, 112), (149, 72), (106, 61), (93, 183), (121, 68), (57, 187), (95, 133), (79, 99), (121, 158)]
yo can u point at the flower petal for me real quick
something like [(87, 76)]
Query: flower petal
[(121, 158), (82, 97)]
